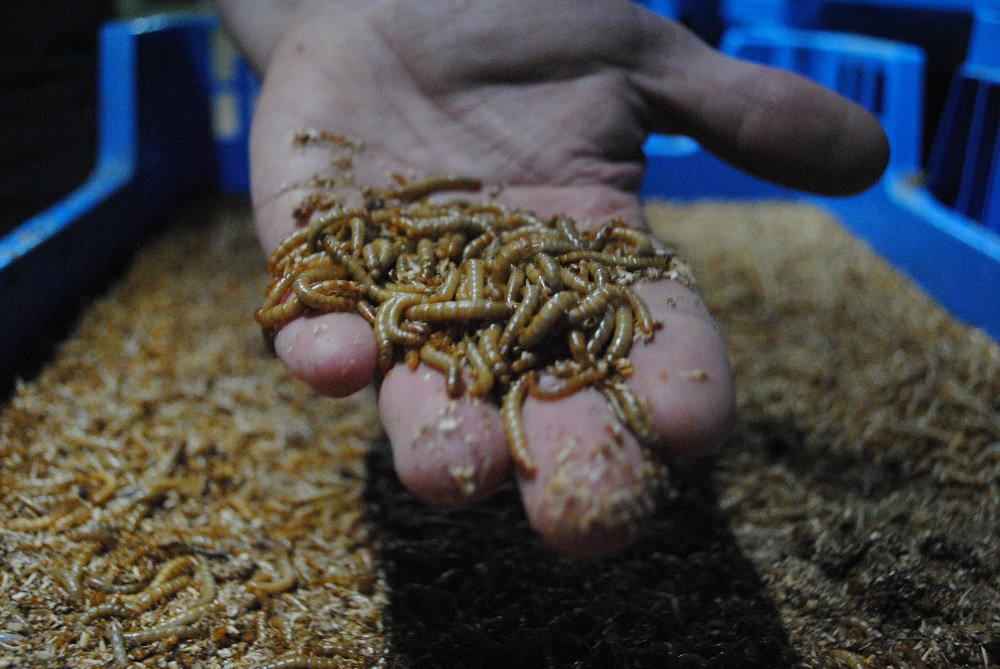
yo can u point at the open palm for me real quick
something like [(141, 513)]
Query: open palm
[(550, 100)]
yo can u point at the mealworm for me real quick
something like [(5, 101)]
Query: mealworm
[(78, 564), (115, 588), (640, 241), (566, 387), (459, 310), (621, 340), (567, 227), (482, 375), (547, 318), (390, 315), (577, 342), (632, 410), (551, 271), (643, 318), (351, 265), (522, 316), (160, 633), (271, 318), (517, 441), (602, 333), (478, 244), (445, 363), (489, 345), (594, 303), (107, 490), (367, 311), (626, 262), (574, 281), (286, 247), (474, 283), (53, 522), (143, 601), (117, 642), (433, 185), (515, 282), (283, 579)]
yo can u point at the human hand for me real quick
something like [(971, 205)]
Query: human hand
[(552, 100)]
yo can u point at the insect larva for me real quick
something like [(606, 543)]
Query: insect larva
[(593, 304), (109, 485), (631, 409), (358, 231), (445, 363), (117, 642), (115, 588), (474, 283), (551, 270), (640, 241), (446, 291), (459, 310), (367, 311), (352, 265), (621, 341), (317, 297), (53, 522), (596, 240), (574, 281), (538, 278), (78, 564), (300, 661), (567, 227), (283, 579), (577, 342), (272, 318), (114, 607), (547, 318), (643, 318), (482, 375), (515, 282), (390, 314), (517, 441), (601, 334), (160, 633), (426, 258), (144, 600), (522, 316), (286, 247), (626, 262), (489, 345), (527, 360), (509, 256), (433, 185), (572, 384), (476, 247)]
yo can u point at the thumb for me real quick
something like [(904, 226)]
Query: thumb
[(774, 124)]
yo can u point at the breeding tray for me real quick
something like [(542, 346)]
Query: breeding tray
[(175, 103)]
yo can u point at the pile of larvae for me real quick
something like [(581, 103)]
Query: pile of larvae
[(513, 303)]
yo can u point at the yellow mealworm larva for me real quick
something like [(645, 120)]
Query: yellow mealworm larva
[(283, 579), (522, 315), (566, 226), (551, 270), (482, 375), (515, 283), (392, 311), (144, 600), (577, 342), (575, 281), (594, 303), (160, 633), (538, 278), (78, 564), (602, 333), (367, 311), (445, 363), (351, 265), (271, 318), (621, 341), (547, 319), (489, 345), (477, 246), (109, 486), (632, 410), (566, 387), (643, 318), (475, 277), (117, 642), (460, 310), (639, 240), (422, 189), (286, 247), (446, 291), (517, 441)]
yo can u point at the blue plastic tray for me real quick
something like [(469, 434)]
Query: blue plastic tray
[(175, 105)]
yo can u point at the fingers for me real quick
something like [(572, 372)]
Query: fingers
[(334, 353), (772, 123)]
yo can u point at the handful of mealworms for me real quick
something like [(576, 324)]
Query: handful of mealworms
[(514, 303)]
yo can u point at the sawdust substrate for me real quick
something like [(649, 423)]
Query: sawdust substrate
[(850, 520)]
